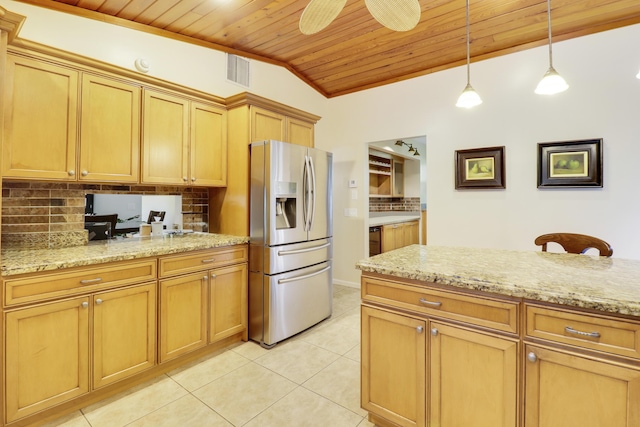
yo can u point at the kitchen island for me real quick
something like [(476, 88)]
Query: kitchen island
[(83, 323), (475, 337)]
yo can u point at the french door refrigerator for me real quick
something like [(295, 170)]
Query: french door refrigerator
[(290, 250)]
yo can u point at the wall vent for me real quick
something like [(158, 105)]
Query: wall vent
[(238, 70)]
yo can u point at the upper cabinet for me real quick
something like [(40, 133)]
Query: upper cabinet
[(268, 124), (183, 141), (41, 118), (386, 174)]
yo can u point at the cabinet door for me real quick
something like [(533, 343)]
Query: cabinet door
[(266, 124), (124, 333), (567, 390), (165, 139), (473, 379), (300, 132), (228, 302), (389, 237), (47, 356), (48, 94), (208, 150), (183, 314), (411, 233), (393, 376), (109, 130), (398, 178)]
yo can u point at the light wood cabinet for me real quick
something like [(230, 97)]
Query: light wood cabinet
[(183, 141), (563, 389), (124, 333), (386, 174), (393, 366), (395, 236), (47, 356), (205, 303), (50, 93), (252, 118), (107, 116), (109, 130), (473, 378)]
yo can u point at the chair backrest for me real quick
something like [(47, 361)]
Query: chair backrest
[(153, 214), (575, 243), (110, 218)]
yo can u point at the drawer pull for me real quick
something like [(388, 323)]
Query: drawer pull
[(90, 281), (208, 261), (570, 330), (431, 303)]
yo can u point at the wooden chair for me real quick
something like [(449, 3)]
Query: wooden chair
[(575, 243)]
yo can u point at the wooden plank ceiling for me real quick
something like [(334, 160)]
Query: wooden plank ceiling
[(355, 52)]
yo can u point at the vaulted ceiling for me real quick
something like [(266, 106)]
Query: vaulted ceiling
[(355, 52)]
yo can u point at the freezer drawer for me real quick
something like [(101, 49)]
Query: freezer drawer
[(282, 258), (282, 305)]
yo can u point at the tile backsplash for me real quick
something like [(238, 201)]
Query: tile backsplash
[(51, 215), (383, 204)]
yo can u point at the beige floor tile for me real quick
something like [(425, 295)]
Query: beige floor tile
[(303, 408), (195, 375), (250, 349), (126, 407), (244, 393), (340, 383), (75, 419), (186, 411), (297, 360), (340, 335), (354, 353), (366, 423)]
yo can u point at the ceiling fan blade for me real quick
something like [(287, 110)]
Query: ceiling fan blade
[(397, 15), (318, 14)]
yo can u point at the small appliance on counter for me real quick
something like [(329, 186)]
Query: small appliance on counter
[(290, 251)]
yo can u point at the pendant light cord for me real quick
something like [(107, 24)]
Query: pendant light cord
[(549, 28), (468, 66)]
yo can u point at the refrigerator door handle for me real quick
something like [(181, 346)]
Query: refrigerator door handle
[(302, 251), (313, 192), (307, 190), (304, 276)]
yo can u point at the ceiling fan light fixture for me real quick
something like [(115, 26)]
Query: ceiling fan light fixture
[(552, 82), (319, 14), (469, 97)]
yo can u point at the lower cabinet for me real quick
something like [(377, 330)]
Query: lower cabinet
[(568, 390), (201, 308), (395, 236), (48, 346)]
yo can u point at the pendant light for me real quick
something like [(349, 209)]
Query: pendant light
[(469, 97), (552, 82)]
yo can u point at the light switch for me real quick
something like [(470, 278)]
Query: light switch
[(354, 194)]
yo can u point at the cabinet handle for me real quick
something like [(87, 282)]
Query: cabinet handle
[(205, 277), (90, 281), (432, 303), (193, 179), (184, 178), (98, 301), (213, 276), (208, 261), (85, 304), (72, 172), (570, 330), (434, 332), (532, 357), (85, 173), (419, 329)]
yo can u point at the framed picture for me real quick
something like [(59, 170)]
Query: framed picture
[(570, 163), (480, 168)]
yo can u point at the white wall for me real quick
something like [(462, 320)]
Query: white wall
[(602, 102)]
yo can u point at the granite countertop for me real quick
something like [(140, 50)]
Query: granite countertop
[(20, 261), (391, 217), (606, 284)]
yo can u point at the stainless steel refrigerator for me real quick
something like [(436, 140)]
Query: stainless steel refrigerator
[(290, 252)]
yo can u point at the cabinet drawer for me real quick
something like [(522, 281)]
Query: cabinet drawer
[(36, 287), (480, 311), (203, 260), (601, 333)]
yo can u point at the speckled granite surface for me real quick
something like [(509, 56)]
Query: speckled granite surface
[(606, 284), (19, 261)]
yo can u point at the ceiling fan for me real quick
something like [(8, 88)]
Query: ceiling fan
[(397, 15)]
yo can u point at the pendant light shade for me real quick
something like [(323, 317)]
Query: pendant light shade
[(469, 97), (552, 82)]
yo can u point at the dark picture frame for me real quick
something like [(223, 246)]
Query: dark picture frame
[(570, 163), (480, 168)]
